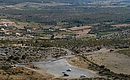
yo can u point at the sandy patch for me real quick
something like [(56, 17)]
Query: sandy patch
[(121, 25), (21, 73), (83, 32), (80, 28), (116, 62)]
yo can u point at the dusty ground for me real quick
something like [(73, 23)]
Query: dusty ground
[(56, 68), (79, 62), (116, 62), (7, 22), (80, 30), (83, 32), (32, 66), (21, 73), (121, 25)]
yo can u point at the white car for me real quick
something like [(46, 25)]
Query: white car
[(82, 75), (68, 69)]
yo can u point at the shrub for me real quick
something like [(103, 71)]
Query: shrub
[(24, 57)]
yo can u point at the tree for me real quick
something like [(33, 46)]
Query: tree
[(11, 57), (24, 57), (16, 58)]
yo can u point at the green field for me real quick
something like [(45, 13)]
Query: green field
[(104, 33)]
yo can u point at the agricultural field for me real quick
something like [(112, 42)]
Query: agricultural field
[(104, 33), (64, 40)]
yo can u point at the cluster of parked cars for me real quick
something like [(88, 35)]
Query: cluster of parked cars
[(69, 70)]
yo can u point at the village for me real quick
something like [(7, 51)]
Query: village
[(10, 30)]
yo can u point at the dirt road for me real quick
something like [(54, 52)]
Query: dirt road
[(57, 68)]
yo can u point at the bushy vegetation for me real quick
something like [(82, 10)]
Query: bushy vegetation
[(79, 16), (125, 51), (100, 18), (103, 71), (71, 44)]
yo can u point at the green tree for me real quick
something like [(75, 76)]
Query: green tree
[(24, 57)]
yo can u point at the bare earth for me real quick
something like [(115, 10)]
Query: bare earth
[(116, 62), (80, 30), (21, 73), (58, 66), (121, 25)]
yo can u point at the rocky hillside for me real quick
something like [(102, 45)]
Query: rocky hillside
[(48, 1)]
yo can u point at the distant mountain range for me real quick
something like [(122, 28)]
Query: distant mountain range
[(61, 1)]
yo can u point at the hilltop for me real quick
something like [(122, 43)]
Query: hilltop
[(61, 1)]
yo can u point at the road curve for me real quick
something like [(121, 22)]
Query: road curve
[(58, 66)]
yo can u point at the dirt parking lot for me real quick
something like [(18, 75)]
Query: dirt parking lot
[(57, 68)]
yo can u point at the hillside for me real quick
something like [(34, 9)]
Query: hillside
[(62, 1), (64, 39)]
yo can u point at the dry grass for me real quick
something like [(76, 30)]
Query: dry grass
[(80, 30), (118, 63), (121, 25), (21, 25), (32, 66), (20, 73), (79, 62)]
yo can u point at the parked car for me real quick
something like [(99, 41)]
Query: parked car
[(68, 69), (63, 72), (66, 74), (82, 75)]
